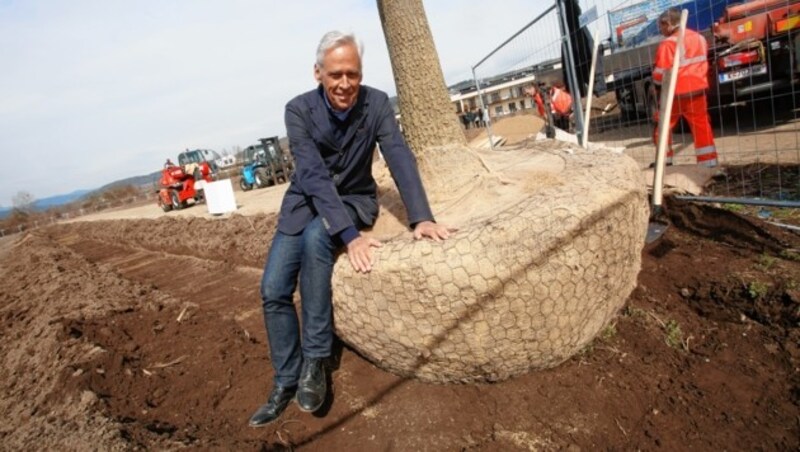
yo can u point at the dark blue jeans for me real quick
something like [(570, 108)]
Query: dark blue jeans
[(310, 254)]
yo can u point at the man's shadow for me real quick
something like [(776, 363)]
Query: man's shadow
[(332, 364)]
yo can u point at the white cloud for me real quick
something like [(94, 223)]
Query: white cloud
[(93, 91)]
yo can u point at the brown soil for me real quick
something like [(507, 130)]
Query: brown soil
[(704, 356)]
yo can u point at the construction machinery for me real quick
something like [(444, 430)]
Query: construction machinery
[(191, 160), (180, 183), (759, 45), (265, 164)]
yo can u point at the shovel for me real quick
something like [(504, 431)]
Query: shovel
[(657, 226)]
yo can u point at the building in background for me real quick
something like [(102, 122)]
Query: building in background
[(504, 94)]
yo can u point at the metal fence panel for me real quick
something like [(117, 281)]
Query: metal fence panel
[(754, 60)]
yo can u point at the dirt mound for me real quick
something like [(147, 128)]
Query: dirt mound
[(515, 129), (44, 284), (727, 227), (239, 239), (704, 355)]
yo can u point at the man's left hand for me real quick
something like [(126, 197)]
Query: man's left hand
[(433, 231)]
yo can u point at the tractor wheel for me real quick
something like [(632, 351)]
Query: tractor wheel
[(199, 197), (262, 178), (627, 102), (176, 200), (244, 185), (283, 178), (273, 174), (166, 207)]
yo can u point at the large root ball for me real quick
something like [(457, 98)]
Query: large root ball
[(543, 260)]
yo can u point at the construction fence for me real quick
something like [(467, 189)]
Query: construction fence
[(752, 98)]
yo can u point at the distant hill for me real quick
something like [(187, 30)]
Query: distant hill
[(145, 181), (52, 201), (46, 203), (148, 180)]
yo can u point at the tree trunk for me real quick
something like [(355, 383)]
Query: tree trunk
[(428, 117), (548, 249), (430, 124)]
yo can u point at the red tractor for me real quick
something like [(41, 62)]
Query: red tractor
[(179, 184)]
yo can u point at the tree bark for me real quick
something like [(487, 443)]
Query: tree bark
[(428, 117), (429, 121)]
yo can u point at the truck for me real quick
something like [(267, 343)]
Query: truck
[(752, 50), (758, 45)]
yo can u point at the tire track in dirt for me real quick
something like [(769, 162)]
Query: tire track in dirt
[(154, 380), (201, 283), (235, 240)]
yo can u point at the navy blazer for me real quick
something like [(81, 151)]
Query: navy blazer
[(327, 176)]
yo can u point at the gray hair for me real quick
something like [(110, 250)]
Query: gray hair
[(335, 39)]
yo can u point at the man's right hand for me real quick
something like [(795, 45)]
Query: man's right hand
[(359, 251)]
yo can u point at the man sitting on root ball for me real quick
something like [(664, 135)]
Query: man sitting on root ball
[(332, 131)]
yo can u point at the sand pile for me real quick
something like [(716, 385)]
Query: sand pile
[(514, 129)]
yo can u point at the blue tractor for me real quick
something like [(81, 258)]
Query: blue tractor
[(265, 164)]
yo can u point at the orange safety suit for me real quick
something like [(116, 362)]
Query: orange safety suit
[(561, 101), (560, 107), (690, 93), (537, 98)]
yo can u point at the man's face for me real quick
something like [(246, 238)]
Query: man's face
[(340, 76), (664, 28)]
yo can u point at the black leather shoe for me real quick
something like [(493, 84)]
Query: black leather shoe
[(312, 388), (279, 398)]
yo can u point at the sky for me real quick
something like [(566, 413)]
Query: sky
[(93, 91)]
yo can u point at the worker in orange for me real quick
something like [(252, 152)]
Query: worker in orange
[(560, 104), (690, 90)]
